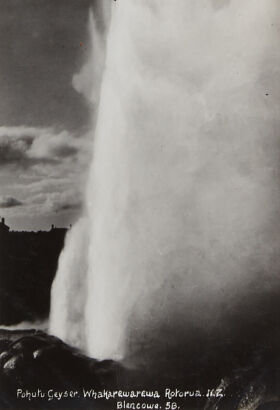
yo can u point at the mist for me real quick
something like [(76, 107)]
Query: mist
[(181, 217)]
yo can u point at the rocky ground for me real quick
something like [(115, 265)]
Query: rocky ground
[(32, 360)]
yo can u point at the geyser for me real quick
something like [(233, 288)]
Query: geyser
[(182, 201)]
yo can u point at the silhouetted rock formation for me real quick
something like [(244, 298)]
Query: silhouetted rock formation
[(255, 385), (28, 262), (31, 360)]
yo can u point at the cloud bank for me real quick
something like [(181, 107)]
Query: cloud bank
[(24, 146), (45, 167), (9, 202)]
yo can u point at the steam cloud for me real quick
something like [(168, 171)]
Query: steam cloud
[(182, 205)]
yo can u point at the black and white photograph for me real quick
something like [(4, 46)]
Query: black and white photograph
[(140, 204)]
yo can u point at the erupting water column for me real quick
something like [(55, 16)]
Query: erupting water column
[(182, 199)]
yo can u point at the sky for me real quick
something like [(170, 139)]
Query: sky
[(45, 117)]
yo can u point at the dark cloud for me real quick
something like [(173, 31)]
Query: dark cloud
[(14, 151), (10, 153), (27, 146), (9, 202), (65, 151), (76, 206)]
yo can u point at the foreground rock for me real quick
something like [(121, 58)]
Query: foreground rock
[(253, 387), (39, 371), (32, 360)]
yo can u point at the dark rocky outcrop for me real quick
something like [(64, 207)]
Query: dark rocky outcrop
[(255, 385), (32, 360)]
